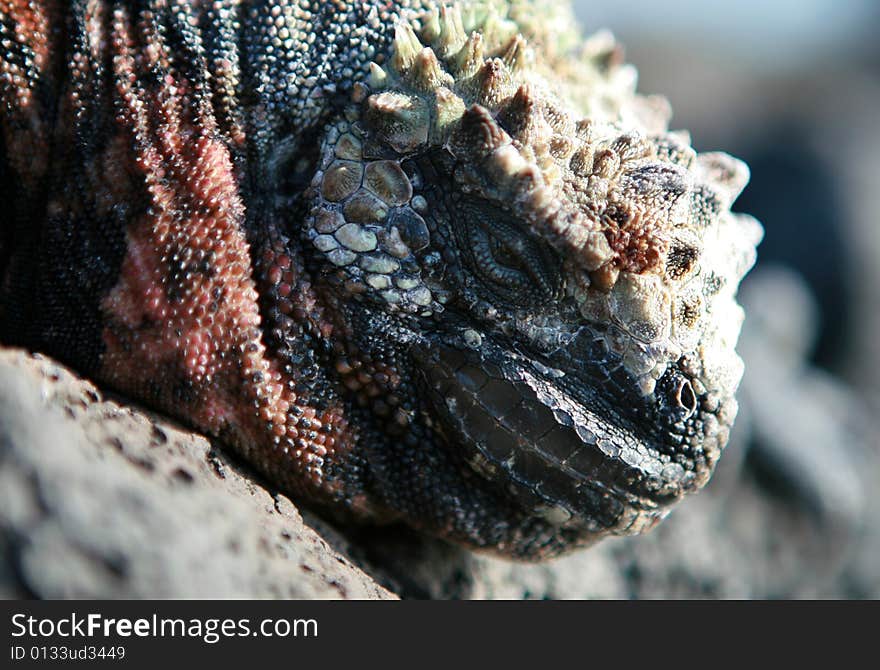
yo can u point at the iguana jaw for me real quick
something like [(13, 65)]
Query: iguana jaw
[(572, 444)]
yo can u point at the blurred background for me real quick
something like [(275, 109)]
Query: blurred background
[(793, 88)]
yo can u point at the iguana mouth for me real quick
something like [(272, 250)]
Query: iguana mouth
[(571, 458)]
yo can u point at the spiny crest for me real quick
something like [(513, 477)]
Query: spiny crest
[(452, 35), (477, 56), (453, 58), (465, 77), (469, 59)]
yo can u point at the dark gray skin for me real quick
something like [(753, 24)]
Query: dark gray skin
[(416, 291)]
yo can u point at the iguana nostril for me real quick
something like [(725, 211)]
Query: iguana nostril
[(686, 397)]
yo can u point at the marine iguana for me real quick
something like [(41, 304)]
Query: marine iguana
[(438, 264)]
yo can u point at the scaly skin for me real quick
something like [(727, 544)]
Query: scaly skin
[(440, 266)]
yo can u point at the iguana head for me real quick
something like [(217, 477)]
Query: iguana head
[(564, 267)]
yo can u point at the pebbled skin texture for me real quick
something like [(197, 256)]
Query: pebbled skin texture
[(434, 265)]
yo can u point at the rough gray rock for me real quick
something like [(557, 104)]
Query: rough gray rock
[(100, 500)]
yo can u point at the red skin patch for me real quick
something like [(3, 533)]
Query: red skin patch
[(24, 128), (183, 325)]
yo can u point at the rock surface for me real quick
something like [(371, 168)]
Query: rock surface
[(101, 499)]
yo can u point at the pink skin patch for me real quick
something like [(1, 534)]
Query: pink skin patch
[(183, 325)]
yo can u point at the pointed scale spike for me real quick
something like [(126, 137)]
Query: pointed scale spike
[(448, 109), (585, 130), (492, 82), (378, 77), (497, 31), (426, 73), (476, 14), (478, 133), (469, 59), (469, 18), (506, 165), (727, 174), (603, 50), (400, 120), (431, 26), (452, 35), (406, 47), (516, 54), (519, 113), (562, 147), (632, 146)]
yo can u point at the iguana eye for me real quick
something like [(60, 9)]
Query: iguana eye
[(510, 264), (506, 255), (497, 259)]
